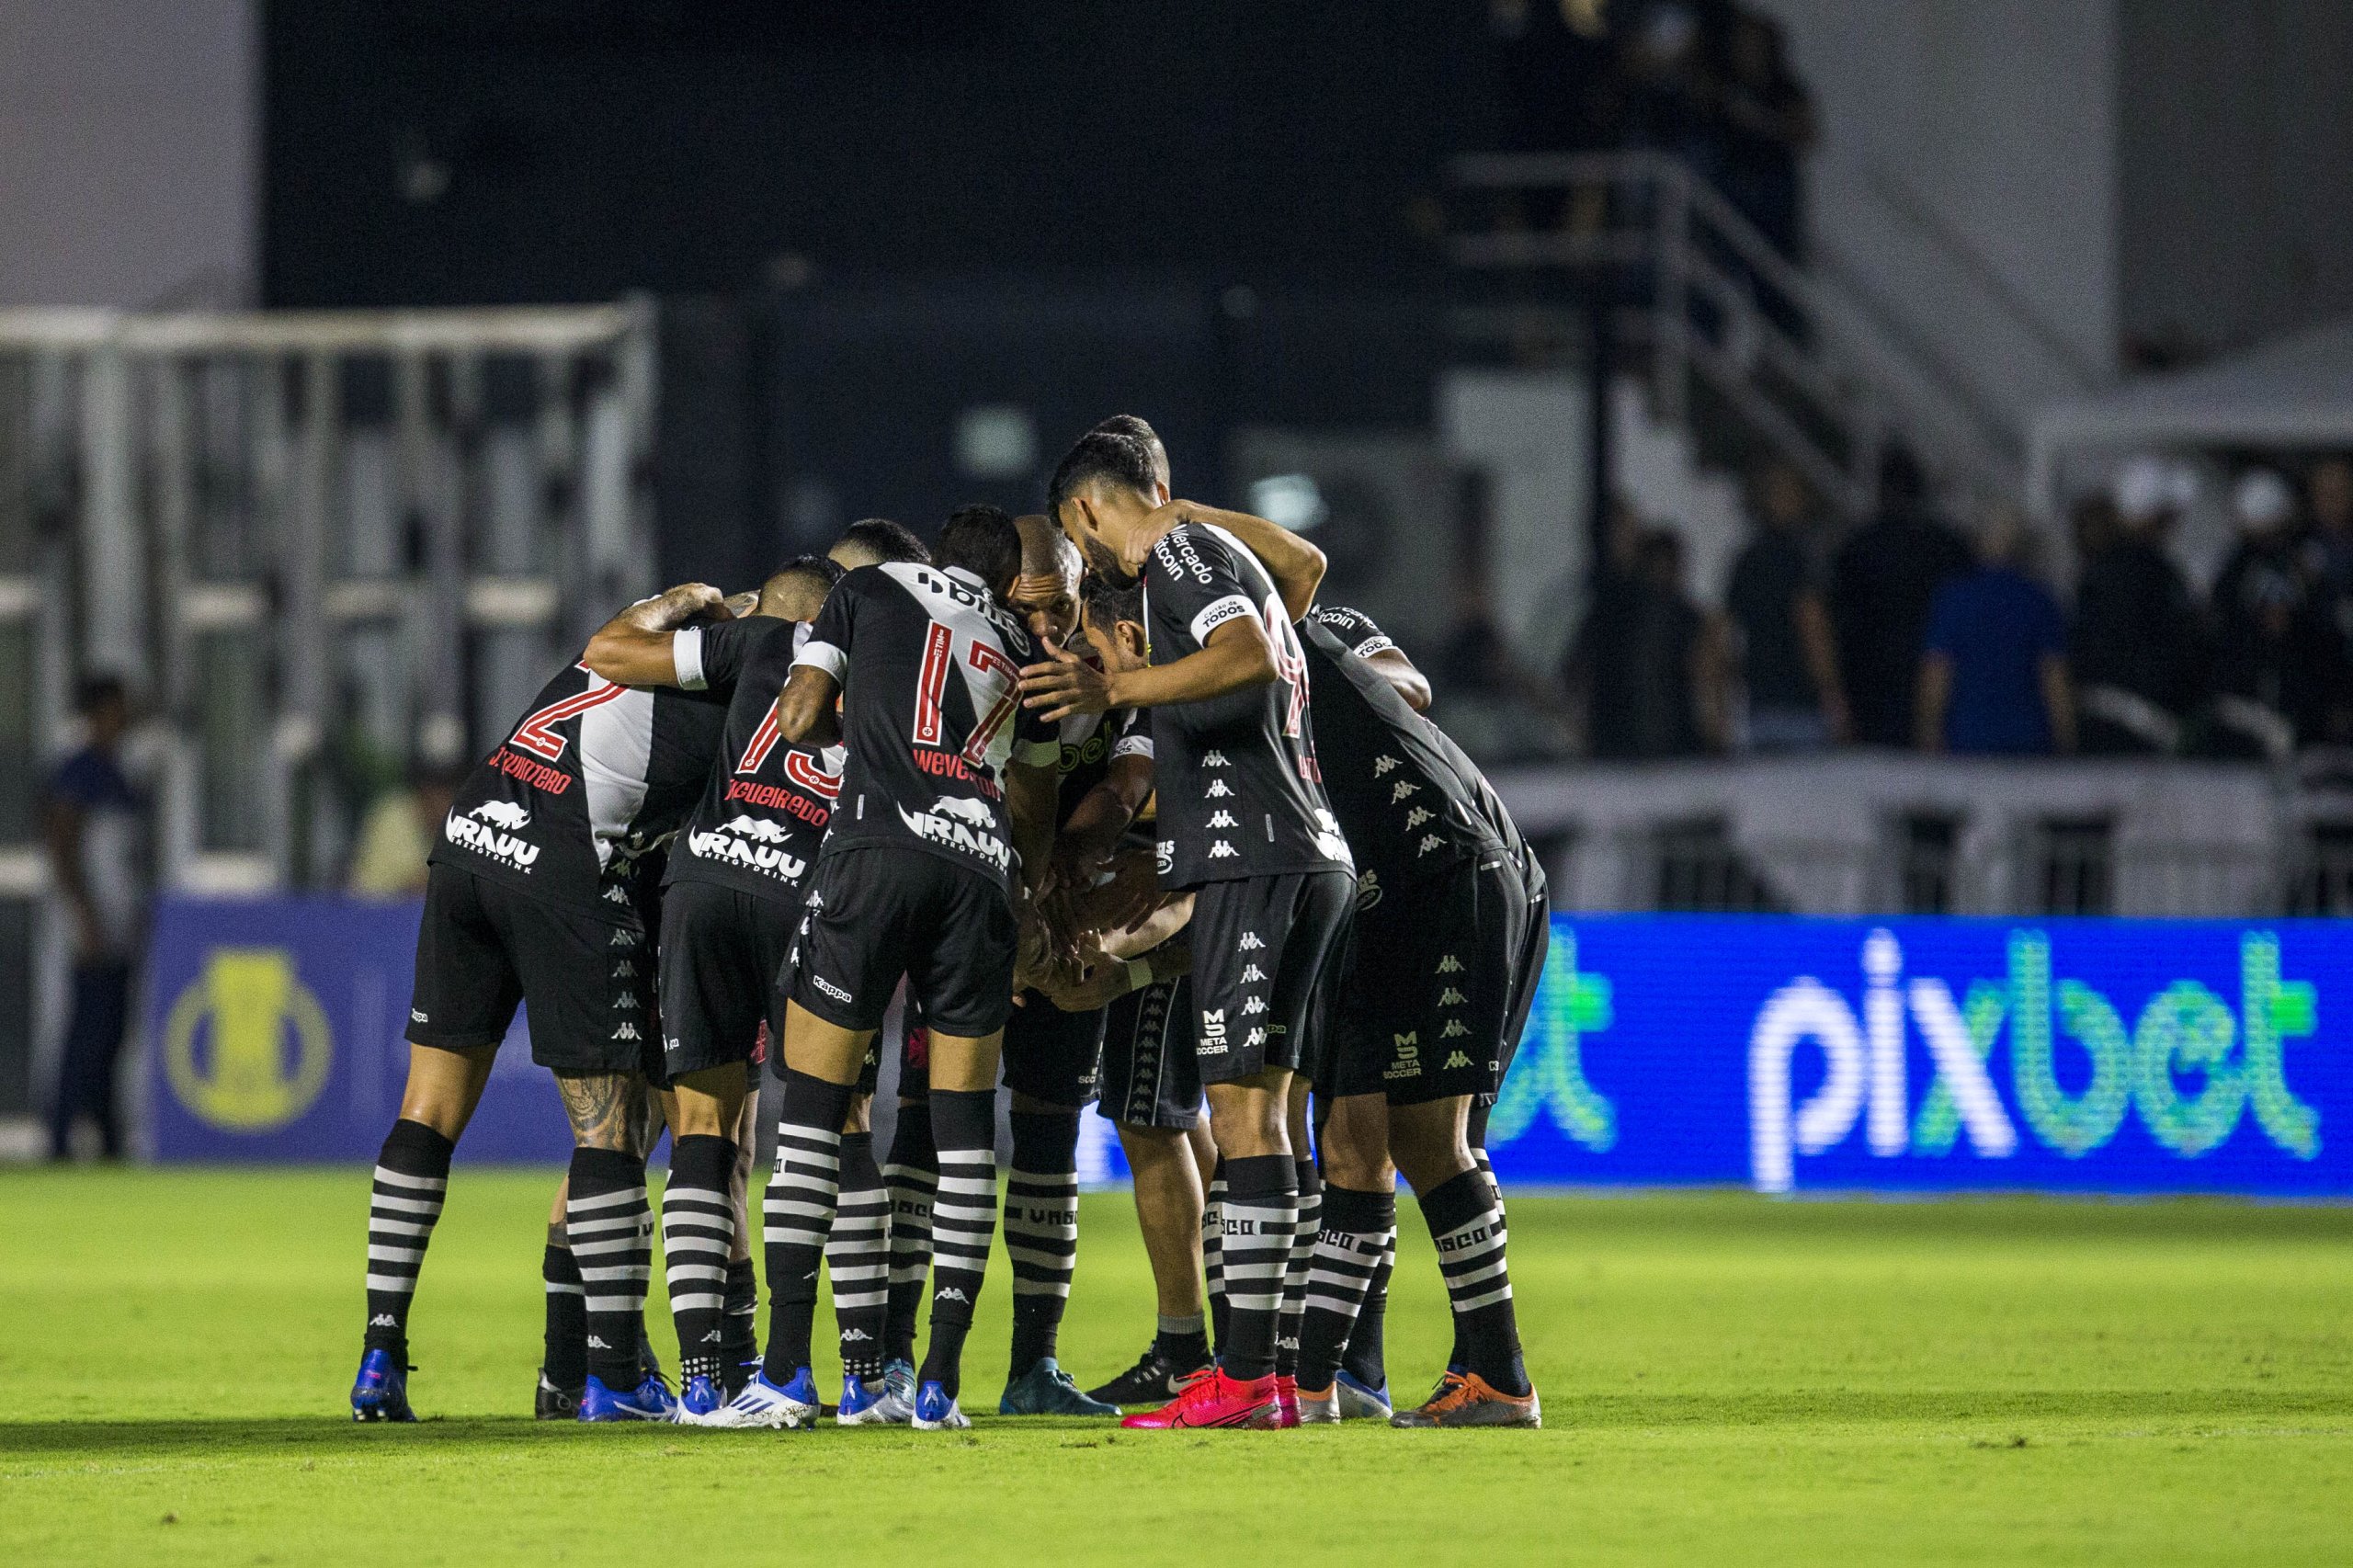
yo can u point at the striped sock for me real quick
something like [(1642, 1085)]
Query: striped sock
[(1367, 1358), (1295, 1269), (565, 1352), (698, 1233), (1041, 1230), (858, 1257), (1355, 1235), (798, 1212), (1454, 1360), (412, 1179), (1261, 1206), (1213, 1250), (962, 1223), (1466, 1225), (913, 1176), (610, 1227), (739, 1337)]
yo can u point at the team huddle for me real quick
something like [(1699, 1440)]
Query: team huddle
[(1100, 805)]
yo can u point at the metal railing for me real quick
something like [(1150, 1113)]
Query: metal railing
[(1716, 303)]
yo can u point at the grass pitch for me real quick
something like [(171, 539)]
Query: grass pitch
[(1724, 1378)]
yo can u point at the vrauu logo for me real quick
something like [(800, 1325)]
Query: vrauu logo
[(750, 842), (483, 839), (2185, 1030), (965, 825)]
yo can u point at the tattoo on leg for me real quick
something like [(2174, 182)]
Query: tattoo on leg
[(605, 1110), (650, 1119)]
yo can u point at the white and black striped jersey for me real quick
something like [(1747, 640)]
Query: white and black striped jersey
[(1407, 795), (763, 813), (592, 779), (929, 665), (1240, 793)]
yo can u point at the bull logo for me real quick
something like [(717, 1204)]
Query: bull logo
[(506, 814)]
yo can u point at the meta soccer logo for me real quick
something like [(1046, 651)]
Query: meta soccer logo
[(2192, 1067)]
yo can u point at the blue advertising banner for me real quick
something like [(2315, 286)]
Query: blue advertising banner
[(1937, 1055), (275, 1032)]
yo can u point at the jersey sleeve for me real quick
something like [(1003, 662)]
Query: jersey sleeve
[(1354, 629), (1196, 583), (826, 647), (1133, 736), (711, 657)]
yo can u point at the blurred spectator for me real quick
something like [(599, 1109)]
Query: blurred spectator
[(96, 830), (2263, 663), (2138, 653), (398, 833), (1881, 585), (1649, 662), (1994, 679), (2328, 567), (1768, 126), (1787, 659)]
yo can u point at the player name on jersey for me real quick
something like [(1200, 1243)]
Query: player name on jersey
[(764, 811)]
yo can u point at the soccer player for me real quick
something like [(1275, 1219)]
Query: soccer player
[(1450, 931), (732, 899), (535, 895), (1051, 1055), (944, 822), (1245, 827)]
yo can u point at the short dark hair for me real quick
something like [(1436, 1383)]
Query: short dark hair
[(818, 571), (884, 540), (1108, 603), (1134, 425), (982, 540), (1100, 456), (95, 691)]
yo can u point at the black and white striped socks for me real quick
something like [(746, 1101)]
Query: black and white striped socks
[(610, 1227), (1261, 1208), (1213, 1250), (698, 1233), (1366, 1359), (412, 1177), (1295, 1269), (797, 1213), (1467, 1227), (1041, 1230), (1356, 1231), (858, 1257), (913, 1177), (964, 1219)]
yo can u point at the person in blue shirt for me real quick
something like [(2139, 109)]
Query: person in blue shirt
[(96, 825), (1993, 674)]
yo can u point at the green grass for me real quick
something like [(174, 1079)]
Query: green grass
[(1724, 1378)]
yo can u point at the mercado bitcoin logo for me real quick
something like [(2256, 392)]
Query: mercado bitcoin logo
[(247, 1045)]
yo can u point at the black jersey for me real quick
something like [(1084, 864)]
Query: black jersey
[(594, 777), (1088, 743), (930, 670), (1240, 795), (764, 810), (1407, 795)]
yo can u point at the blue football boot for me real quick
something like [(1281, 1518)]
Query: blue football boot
[(380, 1391), (1046, 1389), (649, 1401), (1359, 1401), (937, 1411), (698, 1400), (871, 1403), (761, 1403)]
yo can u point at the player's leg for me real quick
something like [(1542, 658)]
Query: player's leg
[(857, 1262), (963, 1217), (1052, 1063), (1359, 1224), (1212, 1169), (739, 1340), (698, 1225), (912, 1177), (563, 1360), (464, 997), (609, 1222), (1303, 1239)]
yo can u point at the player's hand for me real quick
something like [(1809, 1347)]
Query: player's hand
[(1065, 685), (1150, 532), (736, 607), (1097, 986)]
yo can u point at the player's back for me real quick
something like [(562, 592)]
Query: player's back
[(767, 802)]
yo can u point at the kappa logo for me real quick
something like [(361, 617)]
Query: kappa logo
[(1383, 765), (626, 999), (1455, 1059), (715, 1337), (623, 939), (1449, 964), (624, 971), (960, 823), (483, 839), (1451, 997), (830, 989), (627, 1031), (1256, 1037), (596, 1344), (504, 814), (1255, 1004), (384, 1320), (951, 1293), (855, 1336), (617, 894), (1249, 943), (1415, 817), (1402, 790), (1217, 790), (1430, 842), (1453, 1027), (1252, 973), (1214, 759), (1212, 1040), (1221, 849), (1223, 818)]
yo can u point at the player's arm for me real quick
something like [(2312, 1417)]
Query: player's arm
[(805, 709), (1093, 829), (1235, 656), (1296, 565), (635, 648), (61, 824), (1029, 799), (1359, 634)]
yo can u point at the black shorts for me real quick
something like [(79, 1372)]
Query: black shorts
[(1150, 1077), (588, 981), (721, 950), (1439, 989), (878, 912), (1267, 951), (1051, 1055)]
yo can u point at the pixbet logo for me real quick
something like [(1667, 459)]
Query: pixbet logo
[(2231, 1062)]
